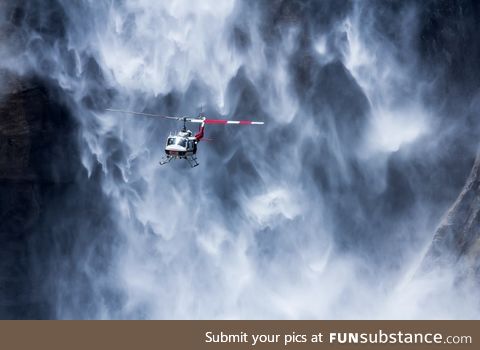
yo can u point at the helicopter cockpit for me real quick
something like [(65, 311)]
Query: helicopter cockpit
[(175, 140)]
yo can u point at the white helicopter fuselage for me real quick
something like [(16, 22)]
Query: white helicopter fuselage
[(181, 145)]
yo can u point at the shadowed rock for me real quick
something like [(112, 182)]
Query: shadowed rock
[(457, 240)]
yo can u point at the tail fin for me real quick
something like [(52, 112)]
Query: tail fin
[(201, 132)]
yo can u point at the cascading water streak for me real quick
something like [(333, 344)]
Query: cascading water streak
[(323, 212)]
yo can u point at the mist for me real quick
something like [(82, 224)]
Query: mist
[(324, 212)]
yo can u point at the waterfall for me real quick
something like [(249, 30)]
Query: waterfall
[(323, 212)]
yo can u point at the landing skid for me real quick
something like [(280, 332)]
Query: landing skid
[(192, 161), (165, 160)]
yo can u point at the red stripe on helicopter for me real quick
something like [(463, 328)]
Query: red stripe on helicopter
[(215, 121)]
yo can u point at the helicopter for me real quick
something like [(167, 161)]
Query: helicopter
[(183, 144)]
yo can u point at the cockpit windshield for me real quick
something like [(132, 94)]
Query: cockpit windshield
[(181, 142), (176, 141)]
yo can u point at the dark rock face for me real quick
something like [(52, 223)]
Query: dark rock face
[(48, 204), (19, 197), (457, 239), (448, 44), (35, 139)]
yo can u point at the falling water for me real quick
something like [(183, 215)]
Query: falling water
[(323, 212)]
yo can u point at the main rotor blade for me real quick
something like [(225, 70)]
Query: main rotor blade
[(145, 114), (194, 120), (238, 122), (191, 120)]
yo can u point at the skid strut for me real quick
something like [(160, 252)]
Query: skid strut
[(192, 161), (165, 160)]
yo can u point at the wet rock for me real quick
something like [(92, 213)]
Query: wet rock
[(457, 240), (31, 144)]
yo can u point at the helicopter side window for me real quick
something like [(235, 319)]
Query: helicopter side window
[(170, 141)]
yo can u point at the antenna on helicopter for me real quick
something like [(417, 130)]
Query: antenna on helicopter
[(201, 111)]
